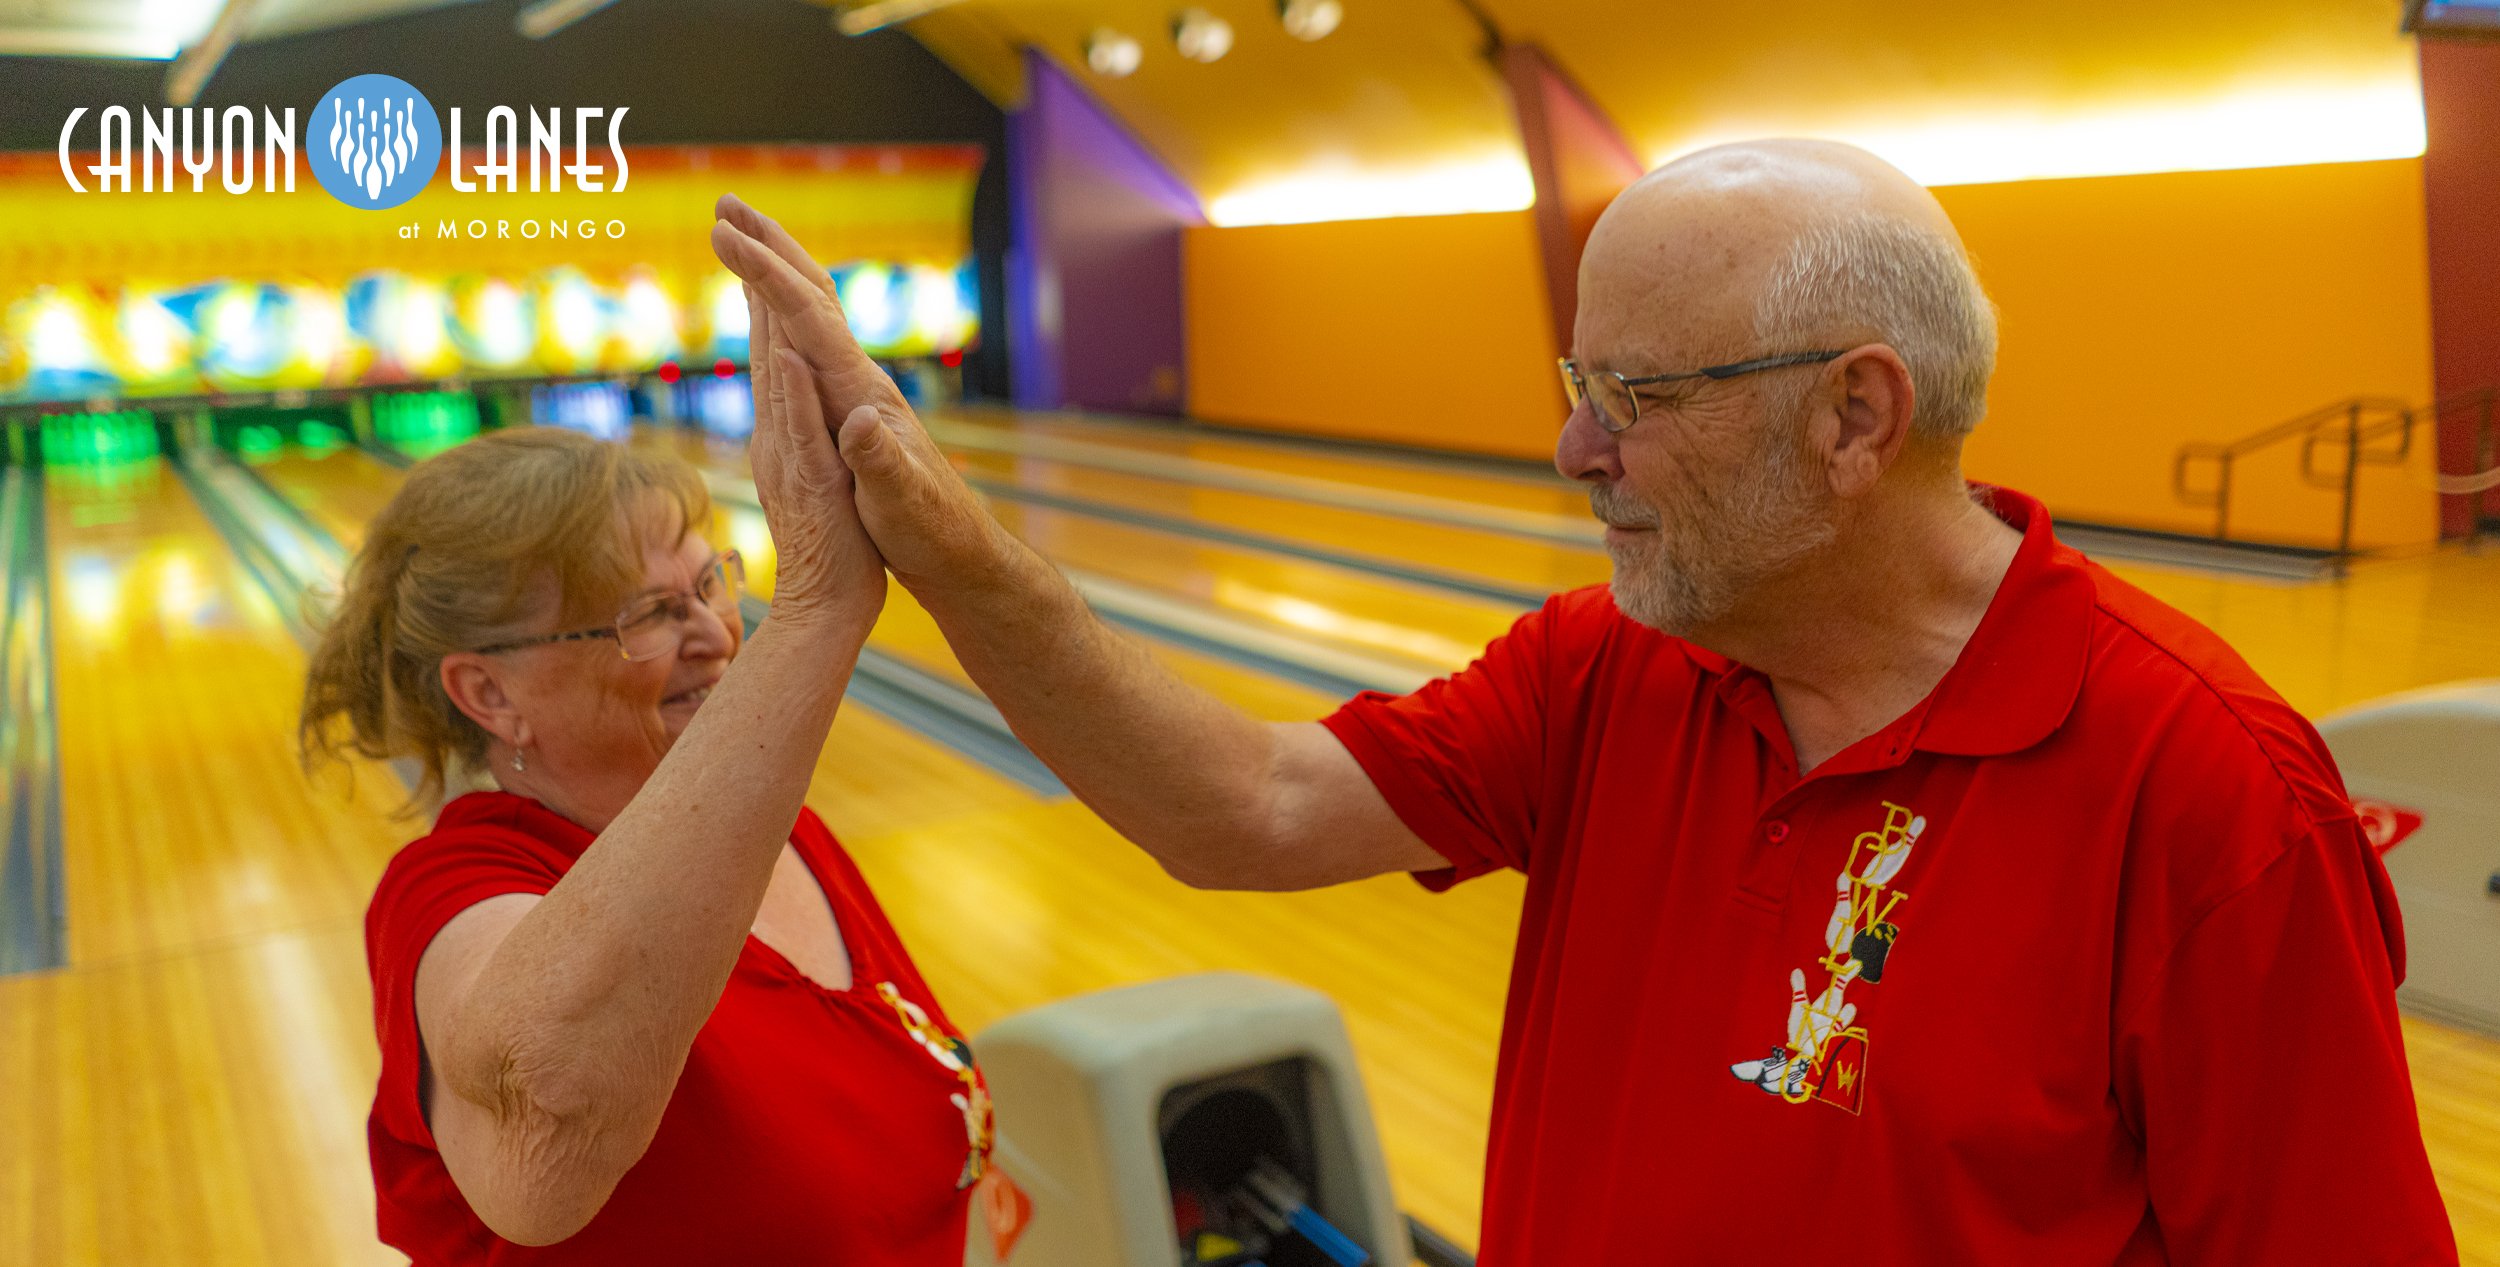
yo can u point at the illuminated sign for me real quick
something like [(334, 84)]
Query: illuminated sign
[(374, 143)]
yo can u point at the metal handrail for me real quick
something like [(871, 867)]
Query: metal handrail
[(2361, 428), (2484, 403)]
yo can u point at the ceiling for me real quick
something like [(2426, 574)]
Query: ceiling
[(1673, 75), (1954, 90), (1400, 111), (160, 28)]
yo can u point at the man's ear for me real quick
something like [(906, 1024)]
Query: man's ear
[(476, 687), (1875, 401)]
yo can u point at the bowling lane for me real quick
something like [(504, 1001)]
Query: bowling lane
[(344, 489), (1532, 551), (907, 630), (1428, 627), (191, 1087), (186, 818), (197, 1106), (1519, 486), (1534, 565), (873, 776)]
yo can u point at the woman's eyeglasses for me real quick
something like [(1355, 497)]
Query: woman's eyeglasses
[(654, 625)]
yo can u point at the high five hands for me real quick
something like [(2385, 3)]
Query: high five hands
[(923, 519)]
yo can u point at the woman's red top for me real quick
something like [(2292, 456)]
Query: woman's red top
[(810, 1125)]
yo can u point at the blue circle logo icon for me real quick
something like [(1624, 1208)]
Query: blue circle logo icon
[(375, 142)]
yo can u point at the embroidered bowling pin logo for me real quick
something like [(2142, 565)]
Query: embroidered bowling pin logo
[(1824, 1055), (955, 1056), (375, 142)]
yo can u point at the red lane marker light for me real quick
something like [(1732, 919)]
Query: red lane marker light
[(669, 373), (951, 357), (724, 367)]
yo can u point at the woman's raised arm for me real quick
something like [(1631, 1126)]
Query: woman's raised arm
[(556, 1027)]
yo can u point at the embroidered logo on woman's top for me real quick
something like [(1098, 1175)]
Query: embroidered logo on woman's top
[(952, 1052)]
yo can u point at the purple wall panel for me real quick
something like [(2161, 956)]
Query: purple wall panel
[(1095, 270)]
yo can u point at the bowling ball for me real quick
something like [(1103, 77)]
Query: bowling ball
[(1870, 948)]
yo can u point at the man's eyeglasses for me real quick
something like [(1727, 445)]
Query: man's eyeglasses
[(654, 625), (1618, 406)]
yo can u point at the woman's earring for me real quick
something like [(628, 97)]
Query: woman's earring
[(516, 760)]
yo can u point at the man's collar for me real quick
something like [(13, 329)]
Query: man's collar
[(2020, 672)]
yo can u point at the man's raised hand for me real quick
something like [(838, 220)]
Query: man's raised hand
[(926, 522), (826, 564)]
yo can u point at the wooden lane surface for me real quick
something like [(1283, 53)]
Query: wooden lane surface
[(907, 630), (1520, 486), (2456, 1087), (203, 1106), (2412, 620), (185, 818), (192, 1087), (1488, 555)]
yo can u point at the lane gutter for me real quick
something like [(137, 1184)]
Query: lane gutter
[(34, 907)]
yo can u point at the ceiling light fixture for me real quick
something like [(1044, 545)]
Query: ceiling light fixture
[(539, 20), (2284, 125), (191, 70), (1495, 181), (1201, 36), (868, 19), (1113, 55), (1310, 19)]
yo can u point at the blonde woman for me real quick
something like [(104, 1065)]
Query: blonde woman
[(635, 1004)]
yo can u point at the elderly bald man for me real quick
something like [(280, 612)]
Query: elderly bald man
[(1902, 887)]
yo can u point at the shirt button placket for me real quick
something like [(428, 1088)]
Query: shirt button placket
[(1767, 870)]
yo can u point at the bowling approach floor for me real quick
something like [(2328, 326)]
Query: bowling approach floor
[(191, 1086)]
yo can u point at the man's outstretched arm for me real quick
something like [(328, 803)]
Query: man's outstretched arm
[(1220, 799)]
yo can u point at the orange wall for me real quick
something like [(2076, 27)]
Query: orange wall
[(1428, 331), (2141, 312)]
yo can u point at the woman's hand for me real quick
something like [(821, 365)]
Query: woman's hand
[(926, 522), (828, 569)]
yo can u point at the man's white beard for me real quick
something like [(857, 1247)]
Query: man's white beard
[(1712, 547)]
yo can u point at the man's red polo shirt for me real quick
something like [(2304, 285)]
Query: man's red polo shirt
[(2083, 960)]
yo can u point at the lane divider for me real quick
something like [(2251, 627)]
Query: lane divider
[(284, 551), (1510, 596), (1525, 472), (34, 908), (386, 455), (1324, 667)]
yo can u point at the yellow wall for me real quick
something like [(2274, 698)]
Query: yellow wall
[(2141, 312), (1421, 331)]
